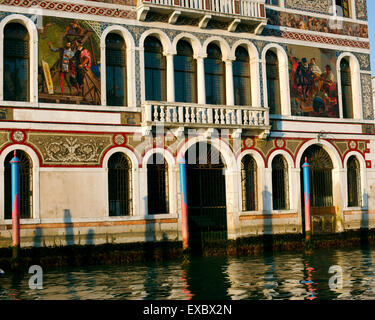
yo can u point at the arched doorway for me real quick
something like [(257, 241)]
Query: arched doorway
[(323, 213), (207, 213)]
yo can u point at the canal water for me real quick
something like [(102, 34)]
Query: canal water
[(293, 276)]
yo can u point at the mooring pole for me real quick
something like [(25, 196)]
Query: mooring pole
[(184, 205), (15, 167), (307, 198)]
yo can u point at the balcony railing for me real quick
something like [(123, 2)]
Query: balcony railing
[(248, 8), (211, 116), (233, 12)]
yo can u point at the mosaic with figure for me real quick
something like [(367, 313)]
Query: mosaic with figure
[(313, 82), (69, 65)]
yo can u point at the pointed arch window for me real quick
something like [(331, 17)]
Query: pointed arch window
[(354, 182), (120, 185), (280, 183), (16, 79), (273, 82), (249, 184), (155, 70), (157, 184), (25, 185), (214, 69), (115, 52), (241, 78), (185, 73), (346, 89)]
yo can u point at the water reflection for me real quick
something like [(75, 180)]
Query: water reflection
[(291, 276)]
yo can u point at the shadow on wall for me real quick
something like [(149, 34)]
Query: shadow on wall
[(69, 234), (365, 221), (267, 223), (38, 236)]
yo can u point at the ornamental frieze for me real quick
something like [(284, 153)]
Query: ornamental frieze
[(319, 6), (368, 108), (361, 9), (68, 149), (4, 138)]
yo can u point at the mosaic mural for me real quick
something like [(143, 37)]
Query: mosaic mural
[(313, 82), (303, 22), (321, 6), (69, 61), (361, 9)]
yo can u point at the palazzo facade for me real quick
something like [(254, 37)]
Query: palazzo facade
[(102, 99)]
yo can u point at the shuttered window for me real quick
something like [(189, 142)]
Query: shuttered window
[(115, 53), (16, 63), (241, 78), (346, 89), (273, 83), (214, 68), (155, 70), (185, 73)]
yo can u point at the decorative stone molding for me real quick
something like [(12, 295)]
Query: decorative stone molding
[(361, 9), (318, 6), (368, 108)]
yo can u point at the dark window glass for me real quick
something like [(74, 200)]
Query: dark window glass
[(185, 73), (344, 4), (273, 83), (241, 78), (280, 185), (155, 70), (273, 2), (354, 183), (157, 184), (25, 185), (346, 89), (249, 184), (120, 185), (16, 63), (115, 53), (214, 68)]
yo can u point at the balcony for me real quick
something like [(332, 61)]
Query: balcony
[(230, 13), (188, 115)]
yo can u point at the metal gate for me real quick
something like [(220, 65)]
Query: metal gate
[(323, 212), (206, 195)]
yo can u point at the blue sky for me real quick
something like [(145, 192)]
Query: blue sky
[(371, 22)]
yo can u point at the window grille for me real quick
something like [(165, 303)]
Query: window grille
[(354, 183), (157, 185), (249, 184), (115, 70), (25, 185), (16, 63), (280, 183), (120, 185)]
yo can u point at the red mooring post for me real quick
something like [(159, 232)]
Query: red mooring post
[(184, 204), (307, 202), (15, 165)]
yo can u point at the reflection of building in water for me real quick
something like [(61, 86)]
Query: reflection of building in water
[(100, 109)]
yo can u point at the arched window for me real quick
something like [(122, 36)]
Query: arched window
[(214, 69), (157, 184), (155, 70), (25, 185), (16, 63), (185, 73), (120, 185), (115, 57), (346, 89), (280, 184), (241, 78), (273, 83), (354, 182), (249, 184)]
